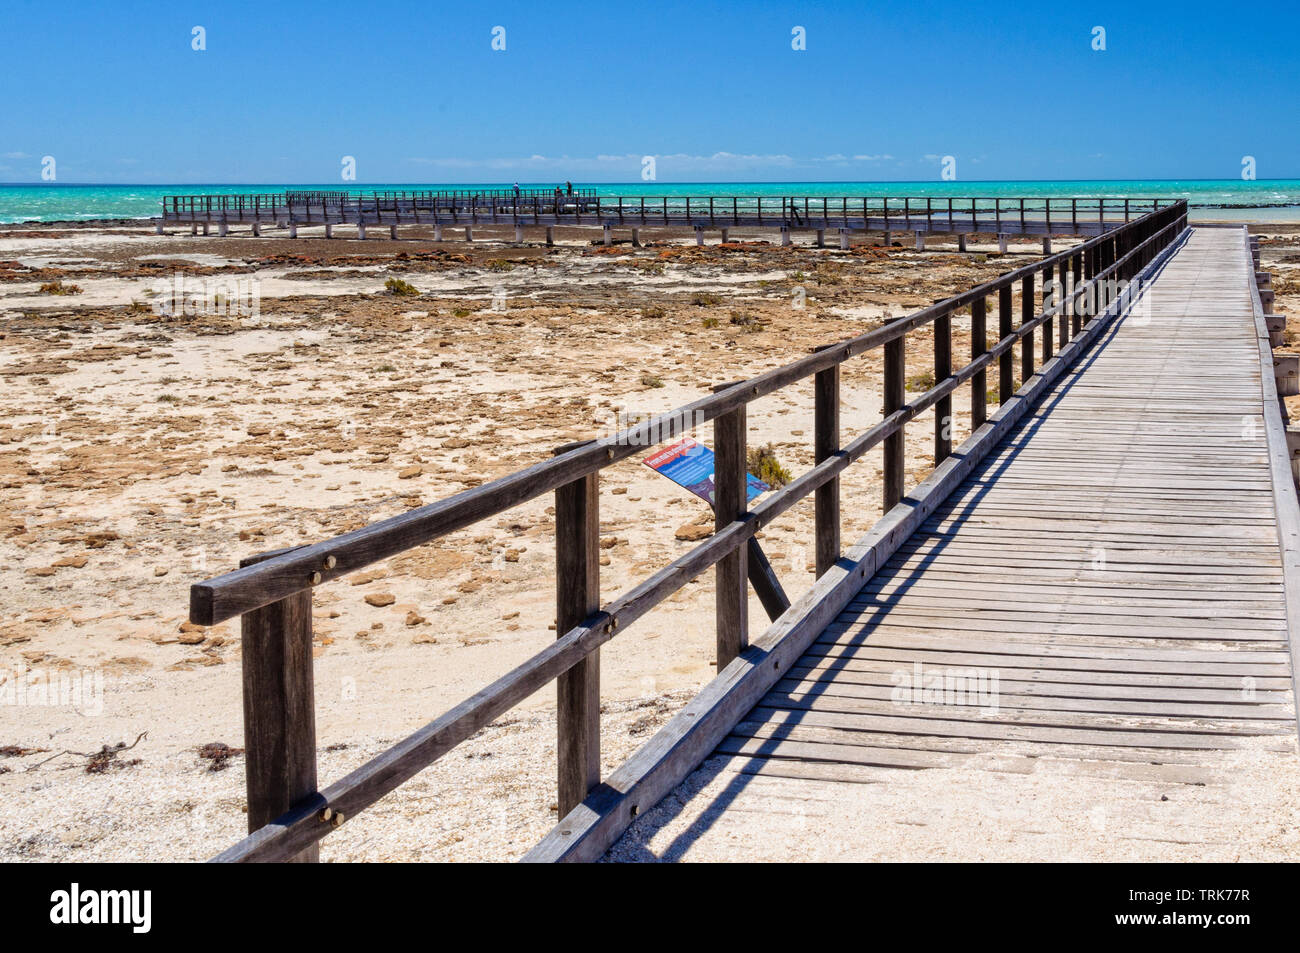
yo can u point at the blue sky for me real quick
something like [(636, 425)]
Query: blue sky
[(415, 92)]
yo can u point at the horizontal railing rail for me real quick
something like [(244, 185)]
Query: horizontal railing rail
[(272, 593)]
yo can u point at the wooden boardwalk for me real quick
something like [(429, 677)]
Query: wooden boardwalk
[(1104, 577), (1006, 216), (1105, 591)]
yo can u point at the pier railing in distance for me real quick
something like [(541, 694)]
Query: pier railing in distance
[(272, 593), (1024, 215)]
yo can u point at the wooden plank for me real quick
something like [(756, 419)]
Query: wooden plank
[(1120, 731), (862, 764), (841, 695)]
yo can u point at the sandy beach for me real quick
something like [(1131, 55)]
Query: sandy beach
[(143, 449)]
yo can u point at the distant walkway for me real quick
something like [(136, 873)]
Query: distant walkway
[(1103, 597), (1083, 216)]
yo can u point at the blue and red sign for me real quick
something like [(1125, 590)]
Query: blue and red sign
[(690, 464)]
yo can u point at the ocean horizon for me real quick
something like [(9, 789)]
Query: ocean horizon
[(1266, 200)]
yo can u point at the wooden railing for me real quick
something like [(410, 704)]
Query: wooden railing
[(272, 593), (1065, 214)]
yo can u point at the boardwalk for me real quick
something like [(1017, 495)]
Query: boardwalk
[(1045, 217), (1115, 564), (1102, 580)]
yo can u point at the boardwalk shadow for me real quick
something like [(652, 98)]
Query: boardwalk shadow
[(635, 841)]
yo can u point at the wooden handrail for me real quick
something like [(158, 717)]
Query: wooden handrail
[(1118, 254)]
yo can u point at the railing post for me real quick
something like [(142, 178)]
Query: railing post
[(1006, 365), (279, 708), (729, 504), (1066, 284), (577, 595), (895, 448), (1049, 289), (826, 442), (1028, 309), (979, 344), (942, 371)]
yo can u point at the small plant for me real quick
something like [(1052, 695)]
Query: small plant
[(763, 463), (385, 369), (403, 289), (59, 288), (828, 274), (654, 312), (500, 264), (711, 322), (169, 399), (651, 380), (137, 307), (703, 299), (740, 317), (922, 382), (460, 312)]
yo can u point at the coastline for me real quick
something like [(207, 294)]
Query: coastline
[(1275, 200)]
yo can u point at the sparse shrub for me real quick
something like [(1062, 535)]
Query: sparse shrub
[(762, 462), (711, 322), (651, 380), (500, 264), (704, 299), (922, 382), (403, 289), (59, 288), (460, 312), (654, 312), (828, 274)]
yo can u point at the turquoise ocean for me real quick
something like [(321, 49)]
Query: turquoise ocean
[(1274, 200)]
